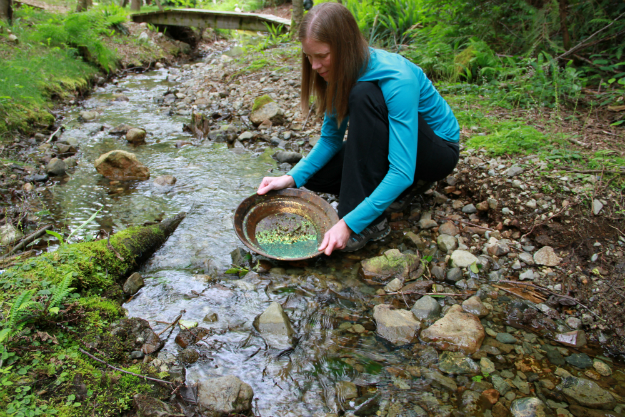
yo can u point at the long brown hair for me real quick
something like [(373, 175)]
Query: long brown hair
[(333, 24)]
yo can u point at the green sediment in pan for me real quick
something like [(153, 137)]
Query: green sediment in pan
[(287, 235)]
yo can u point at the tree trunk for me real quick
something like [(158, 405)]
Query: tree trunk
[(6, 11), (123, 3), (566, 39), (83, 5), (135, 5), (297, 14)]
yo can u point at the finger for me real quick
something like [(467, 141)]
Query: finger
[(330, 247), (324, 243)]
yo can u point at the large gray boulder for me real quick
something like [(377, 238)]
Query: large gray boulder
[(274, 325), (587, 393), (121, 165), (397, 326), (457, 331), (224, 396)]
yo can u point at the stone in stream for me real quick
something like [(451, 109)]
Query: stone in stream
[(56, 167), (225, 395), (601, 368), (530, 407), (188, 337), (289, 157), (506, 338), (136, 136), (448, 228), (133, 284), (88, 115), (586, 393), (579, 411), (397, 326), (189, 355), (457, 363), (433, 375), (446, 243), (546, 256), (392, 264), (165, 181), (473, 403), (579, 360), (121, 165), (137, 335), (576, 338), (426, 308), (474, 305), (274, 325), (457, 331), (265, 108)]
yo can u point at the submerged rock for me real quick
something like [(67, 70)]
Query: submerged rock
[(586, 393), (474, 305), (457, 331), (188, 337), (397, 326), (275, 327), (457, 363), (530, 407), (165, 180), (226, 395), (133, 284), (121, 165), (393, 264), (136, 136)]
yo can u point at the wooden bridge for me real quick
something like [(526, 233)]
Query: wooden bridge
[(210, 18)]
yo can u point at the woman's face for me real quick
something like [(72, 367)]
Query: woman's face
[(318, 54)]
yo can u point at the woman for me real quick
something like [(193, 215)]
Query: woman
[(402, 134)]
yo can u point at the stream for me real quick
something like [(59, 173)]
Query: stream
[(337, 360)]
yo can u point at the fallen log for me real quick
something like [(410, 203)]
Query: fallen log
[(93, 265)]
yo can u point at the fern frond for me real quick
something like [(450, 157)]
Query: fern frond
[(21, 303), (61, 291)]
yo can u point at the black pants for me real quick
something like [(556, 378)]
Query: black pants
[(359, 167)]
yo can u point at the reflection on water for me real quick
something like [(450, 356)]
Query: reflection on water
[(323, 301)]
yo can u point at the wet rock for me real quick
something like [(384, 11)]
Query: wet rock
[(9, 234), (87, 116), (133, 284), (444, 381), (457, 363), (497, 247), (426, 221), (522, 385), (586, 393), (487, 366), (500, 384), (573, 322), (601, 368), (474, 305), (121, 165), (36, 178), (448, 228), (165, 180), (426, 308), (457, 331), (210, 317), (137, 354), (473, 403), (150, 407), (120, 129), (554, 356), (579, 411), (266, 109), (576, 338), (469, 209), (188, 337), (393, 264), (187, 324), (275, 327), (546, 256), (56, 167), (288, 157), (225, 395), (462, 258), (579, 360), (506, 338), (346, 390), (136, 136), (491, 395), (136, 334), (397, 326), (446, 243), (530, 407), (189, 355), (369, 407)]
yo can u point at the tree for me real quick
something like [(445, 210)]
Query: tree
[(297, 14), (6, 10), (83, 5), (135, 5)]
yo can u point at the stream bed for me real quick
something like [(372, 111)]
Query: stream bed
[(337, 361)]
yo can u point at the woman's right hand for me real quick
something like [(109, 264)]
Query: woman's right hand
[(275, 183)]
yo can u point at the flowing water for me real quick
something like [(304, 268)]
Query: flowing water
[(323, 301)]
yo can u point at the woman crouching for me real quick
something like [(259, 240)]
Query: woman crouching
[(402, 134)]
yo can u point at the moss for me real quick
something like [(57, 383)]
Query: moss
[(261, 101)]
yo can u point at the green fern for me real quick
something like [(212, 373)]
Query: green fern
[(21, 306), (59, 293)]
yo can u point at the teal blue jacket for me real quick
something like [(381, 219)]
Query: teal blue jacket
[(407, 93)]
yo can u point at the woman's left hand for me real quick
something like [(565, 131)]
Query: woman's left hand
[(336, 237)]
